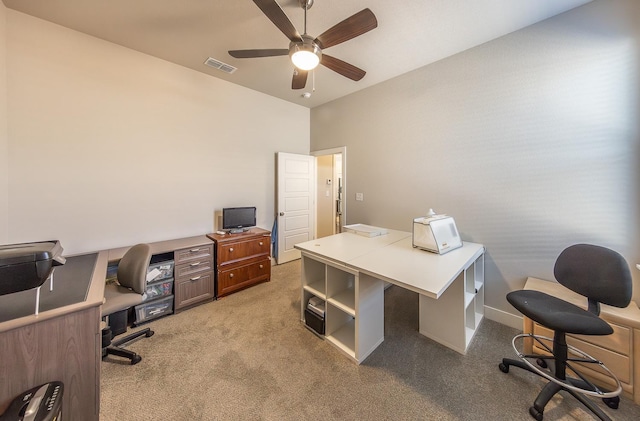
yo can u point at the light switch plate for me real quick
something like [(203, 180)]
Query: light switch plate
[(359, 197)]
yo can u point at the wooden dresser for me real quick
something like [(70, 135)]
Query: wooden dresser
[(241, 260), (620, 351)]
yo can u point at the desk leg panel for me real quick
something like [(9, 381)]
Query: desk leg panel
[(443, 319), (64, 349), (370, 315)]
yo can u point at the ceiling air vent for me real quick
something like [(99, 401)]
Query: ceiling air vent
[(217, 64)]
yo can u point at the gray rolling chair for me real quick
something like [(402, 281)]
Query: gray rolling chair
[(132, 282), (599, 274)]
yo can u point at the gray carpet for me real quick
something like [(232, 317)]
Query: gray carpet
[(248, 357)]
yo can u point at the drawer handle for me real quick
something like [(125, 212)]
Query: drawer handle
[(261, 266), (194, 264), (196, 278), (231, 275), (230, 249), (260, 242)]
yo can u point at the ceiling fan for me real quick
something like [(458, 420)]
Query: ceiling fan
[(305, 51)]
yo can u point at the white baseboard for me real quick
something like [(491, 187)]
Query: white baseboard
[(503, 317)]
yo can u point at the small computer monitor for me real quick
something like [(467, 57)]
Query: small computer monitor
[(238, 219)]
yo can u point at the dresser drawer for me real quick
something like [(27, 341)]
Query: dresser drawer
[(194, 267), (189, 291), (229, 252), (240, 277), (193, 253)]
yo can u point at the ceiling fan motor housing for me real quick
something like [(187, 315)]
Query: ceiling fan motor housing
[(308, 46), (306, 4)]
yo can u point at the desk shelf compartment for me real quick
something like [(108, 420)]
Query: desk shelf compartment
[(154, 309), (162, 266), (354, 303), (157, 290), (341, 330), (474, 297), (460, 307), (313, 279), (341, 288)]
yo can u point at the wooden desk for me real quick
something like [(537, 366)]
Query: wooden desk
[(64, 343), (61, 343), (348, 272)]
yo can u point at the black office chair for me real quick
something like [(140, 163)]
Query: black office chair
[(121, 296), (602, 276)]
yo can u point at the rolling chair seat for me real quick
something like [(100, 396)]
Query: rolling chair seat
[(120, 297), (557, 314), (600, 275)]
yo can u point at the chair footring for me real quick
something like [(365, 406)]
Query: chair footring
[(571, 385)]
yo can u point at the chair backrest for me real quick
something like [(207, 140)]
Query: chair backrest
[(598, 273), (132, 269)]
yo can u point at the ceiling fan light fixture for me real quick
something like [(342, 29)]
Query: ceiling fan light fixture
[(305, 55)]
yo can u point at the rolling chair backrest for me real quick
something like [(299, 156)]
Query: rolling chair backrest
[(132, 269), (598, 273)]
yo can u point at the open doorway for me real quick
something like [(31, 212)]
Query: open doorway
[(330, 191)]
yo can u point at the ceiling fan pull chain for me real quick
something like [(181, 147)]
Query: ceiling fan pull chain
[(313, 81)]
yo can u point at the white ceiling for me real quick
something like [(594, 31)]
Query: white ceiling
[(410, 34)]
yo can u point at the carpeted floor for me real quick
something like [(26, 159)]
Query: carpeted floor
[(248, 357)]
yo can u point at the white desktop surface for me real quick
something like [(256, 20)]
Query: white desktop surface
[(418, 270), (344, 247)]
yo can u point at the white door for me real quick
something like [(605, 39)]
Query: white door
[(295, 207)]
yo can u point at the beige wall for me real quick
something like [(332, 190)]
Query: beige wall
[(109, 147), (530, 142), (4, 142)]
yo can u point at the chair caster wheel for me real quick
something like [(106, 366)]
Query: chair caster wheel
[(542, 363), (136, 359), (503, 367), (612, 403), (149, 334), (535, 413)]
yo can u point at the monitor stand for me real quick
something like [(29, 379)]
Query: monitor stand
[(238, 230)]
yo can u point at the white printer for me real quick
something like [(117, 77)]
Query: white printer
[(436, 233)]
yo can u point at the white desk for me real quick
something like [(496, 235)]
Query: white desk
[(348, 272)]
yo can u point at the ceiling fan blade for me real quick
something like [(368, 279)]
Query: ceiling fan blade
[(342, 67), (276, 15), (351, 27), (259, 53), (299, 79)]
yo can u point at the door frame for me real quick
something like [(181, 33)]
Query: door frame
[(332, 151)]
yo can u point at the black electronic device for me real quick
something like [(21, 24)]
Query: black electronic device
[(238, 219), (42, 403), (27, 265)]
